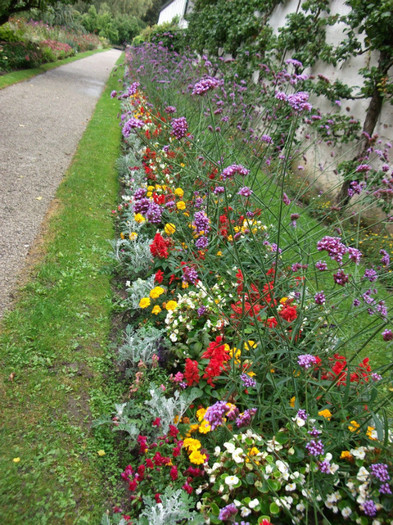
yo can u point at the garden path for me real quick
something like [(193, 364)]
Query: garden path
[(41, 123)]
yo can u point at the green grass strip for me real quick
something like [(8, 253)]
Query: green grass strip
[(56, 342), (25, 74)]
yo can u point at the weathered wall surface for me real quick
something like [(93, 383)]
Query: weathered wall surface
[(175, 8), (347, 72)]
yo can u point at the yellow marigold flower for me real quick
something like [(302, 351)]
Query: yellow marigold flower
[(171, 305), (156, 292), (133, 236), (139, 218), (230, 238), (149, 194), (184, 284), (169, 228), (181, 205), (326, 414), (371, 433), (193, 428), (283, 300), (16, 460), (204, 427), (144, 302), (253, 452), (219, 254), (353, 426), (235, 354), (179, 192), (250, 344), (182, 164), (292, 401), (192, 444), (156, 310), (345, 454), (122, 235), (101, 452), (197, 458), (200, 414)]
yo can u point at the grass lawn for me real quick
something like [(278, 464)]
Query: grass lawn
[(56, 362)]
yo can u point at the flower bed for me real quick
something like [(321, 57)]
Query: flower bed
[(250, 399)]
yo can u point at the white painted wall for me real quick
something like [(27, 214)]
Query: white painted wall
[(175, 8), (347, 72)]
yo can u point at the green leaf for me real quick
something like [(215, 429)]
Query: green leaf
[(274, 508)]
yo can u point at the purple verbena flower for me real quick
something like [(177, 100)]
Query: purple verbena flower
[(380, 471), (387, 335), (154, 213), (190, 274), (219, 189), (306, 360), (302, 414), (228, 511), (179, 127), (354, 254), (245, 191), (386, 258), (370, 274), (205, 84), (321, 266), (315, 448), (362, 168), (131, 124), (231, 170), (286, 200), (314, 432), (335, 248), (299, 101), (201, 222), (320, 298), (341, 278), (170, 109), (325, 467), (369, 508), (248, 382), (385, 488), (244, 420), (215, 414), (201, 311), (202, 242)]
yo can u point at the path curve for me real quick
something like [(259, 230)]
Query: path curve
[(41, 123)]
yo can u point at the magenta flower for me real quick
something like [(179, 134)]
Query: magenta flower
[(230, 171), (179, 127)]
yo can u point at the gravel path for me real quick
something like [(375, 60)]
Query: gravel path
[(41, 123)]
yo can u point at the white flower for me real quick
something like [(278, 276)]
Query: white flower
[(217, 451), (212, 479), (363, 474), (231, 481), (290, 487), (346, 512), (237, 455), (230, 447), (173, 337), (237, 502), (359, 452), (300, 507), (299, 421), (253, 503), (245, 512)]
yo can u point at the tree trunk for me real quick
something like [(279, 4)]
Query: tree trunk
[(372, 115)]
